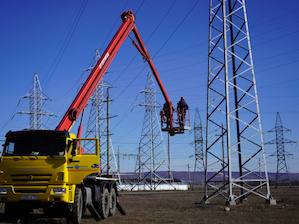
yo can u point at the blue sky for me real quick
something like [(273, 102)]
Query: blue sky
[(57, 41)]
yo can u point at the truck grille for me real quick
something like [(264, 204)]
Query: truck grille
[(31, 191), (44, 178)]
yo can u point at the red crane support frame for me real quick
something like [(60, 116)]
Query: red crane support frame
[(82, 98)]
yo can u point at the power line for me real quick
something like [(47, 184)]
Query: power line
[(182, 21), (277, 55), (66, 42), (276, 38), (171, 35), (275, 18), (145, 43), (139, 7), (116, 21), (277, 28)]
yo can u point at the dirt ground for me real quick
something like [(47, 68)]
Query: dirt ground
[(185, 207)]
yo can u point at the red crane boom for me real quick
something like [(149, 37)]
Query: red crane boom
[(81, 100)]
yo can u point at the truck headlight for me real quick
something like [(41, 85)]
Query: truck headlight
[(3, 190), (59, 190)]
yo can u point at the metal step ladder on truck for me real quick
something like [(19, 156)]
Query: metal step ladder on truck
[(49, 169)]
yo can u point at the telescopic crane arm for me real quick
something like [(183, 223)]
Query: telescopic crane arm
[(82, 98)]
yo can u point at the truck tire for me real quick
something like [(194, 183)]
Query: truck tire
[(75, 210), (113, 200), (104, 205)]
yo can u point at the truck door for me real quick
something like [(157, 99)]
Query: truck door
[(82, 161)]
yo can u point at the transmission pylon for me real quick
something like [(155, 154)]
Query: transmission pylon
[(282, 174), (232, 101), (36, 100), (97, 126), (198, 145), (152, 151)]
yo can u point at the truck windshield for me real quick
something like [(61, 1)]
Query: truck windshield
[(34, 147)]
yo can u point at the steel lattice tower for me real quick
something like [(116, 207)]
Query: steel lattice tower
[(282, 174), (36, 111), (152, 151), (198, 144), (232, 100), (97, 126)]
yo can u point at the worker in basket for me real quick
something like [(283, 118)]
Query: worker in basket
[(181, 109)]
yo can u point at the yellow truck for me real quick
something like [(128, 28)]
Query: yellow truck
[(46, 169)]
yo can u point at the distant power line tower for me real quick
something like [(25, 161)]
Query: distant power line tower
[(198, 144), (36, 100), (152, 152), (282, 174), (97, 126), (233, 102)]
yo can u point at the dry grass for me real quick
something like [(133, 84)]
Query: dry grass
[(184, 207)]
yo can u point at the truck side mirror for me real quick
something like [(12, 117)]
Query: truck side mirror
[(75, 143), (72, 145)]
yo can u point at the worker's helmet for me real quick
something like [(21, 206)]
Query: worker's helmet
[(182, 98)]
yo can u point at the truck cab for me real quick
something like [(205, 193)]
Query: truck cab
[(46, 167)]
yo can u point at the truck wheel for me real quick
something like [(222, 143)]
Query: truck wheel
[(75, 210), (113, 199), (104, 204)]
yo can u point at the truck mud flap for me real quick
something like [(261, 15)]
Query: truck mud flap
[(120, 209), (90, 205), (94, 212)]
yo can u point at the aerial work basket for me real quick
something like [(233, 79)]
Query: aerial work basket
[(181, 124)]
